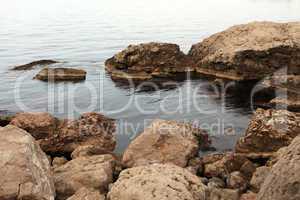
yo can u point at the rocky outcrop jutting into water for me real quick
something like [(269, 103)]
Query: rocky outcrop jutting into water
[(249, 51), (34, 63), (148, 60)]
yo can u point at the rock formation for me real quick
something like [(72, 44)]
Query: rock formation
[(164, 142), (33, 64), (249, 51), (61, 74), (24, 167), (148, 60)]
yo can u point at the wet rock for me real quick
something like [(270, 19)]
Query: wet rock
[(215, 182), (95, 173), (148, 60), (62, 137), (33, 64), (249, 51), (86, 194), (156, 182), (236, 180), (259, 177), (223, 194), (268, 131), (61, 74), (59, 161), (222, 168), (6, 117), (283, 181), (24, 167), (248, 196), (164, 142)]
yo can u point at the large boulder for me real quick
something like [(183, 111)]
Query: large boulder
[(283, 181), (157, 182), (259, 177), (94, 173), (24, 167), (268, 131), (148, 60), (61, 74), (64, 136), (249, 51), (164, 142)]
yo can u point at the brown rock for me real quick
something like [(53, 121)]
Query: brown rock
[(223, 194), (164, 142), (64, 136), (283, 181), (236, 180), (222, 168), (61, 74), (95, 173), (145, 61), (249, 51), (59, 161), (248, 196), (88, 150), (33, 64), (24, 167), (86, 194), (259, 177), (39, 125), (157, 182), (268, 131)]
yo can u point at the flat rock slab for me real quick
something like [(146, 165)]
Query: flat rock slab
[(61, 74)]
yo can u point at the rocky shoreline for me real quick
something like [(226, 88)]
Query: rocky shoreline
[(46, 158)]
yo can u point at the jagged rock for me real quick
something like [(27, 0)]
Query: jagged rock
[(164, 142), (258, 177), (249, 51), (157, 182), (222, 194), (222, 168), (94, 172), (86, 194), (283, 181), (24, 167), (148, 60), (64, 136), (236, 180), (268, 131), (39, 125), (61, 74), (59, 161), (33, 64)]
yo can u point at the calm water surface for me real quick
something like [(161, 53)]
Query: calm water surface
[(83, 34)]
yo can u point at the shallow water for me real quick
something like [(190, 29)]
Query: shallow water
[(83, 34)]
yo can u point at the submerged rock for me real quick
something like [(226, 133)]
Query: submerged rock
[(34, 63), (164, 142), (283, 181), (61, 74), (148, 60), (157, 182), (268, 131), (24, 167), (62, 137), (94, 173), (249, 51)]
